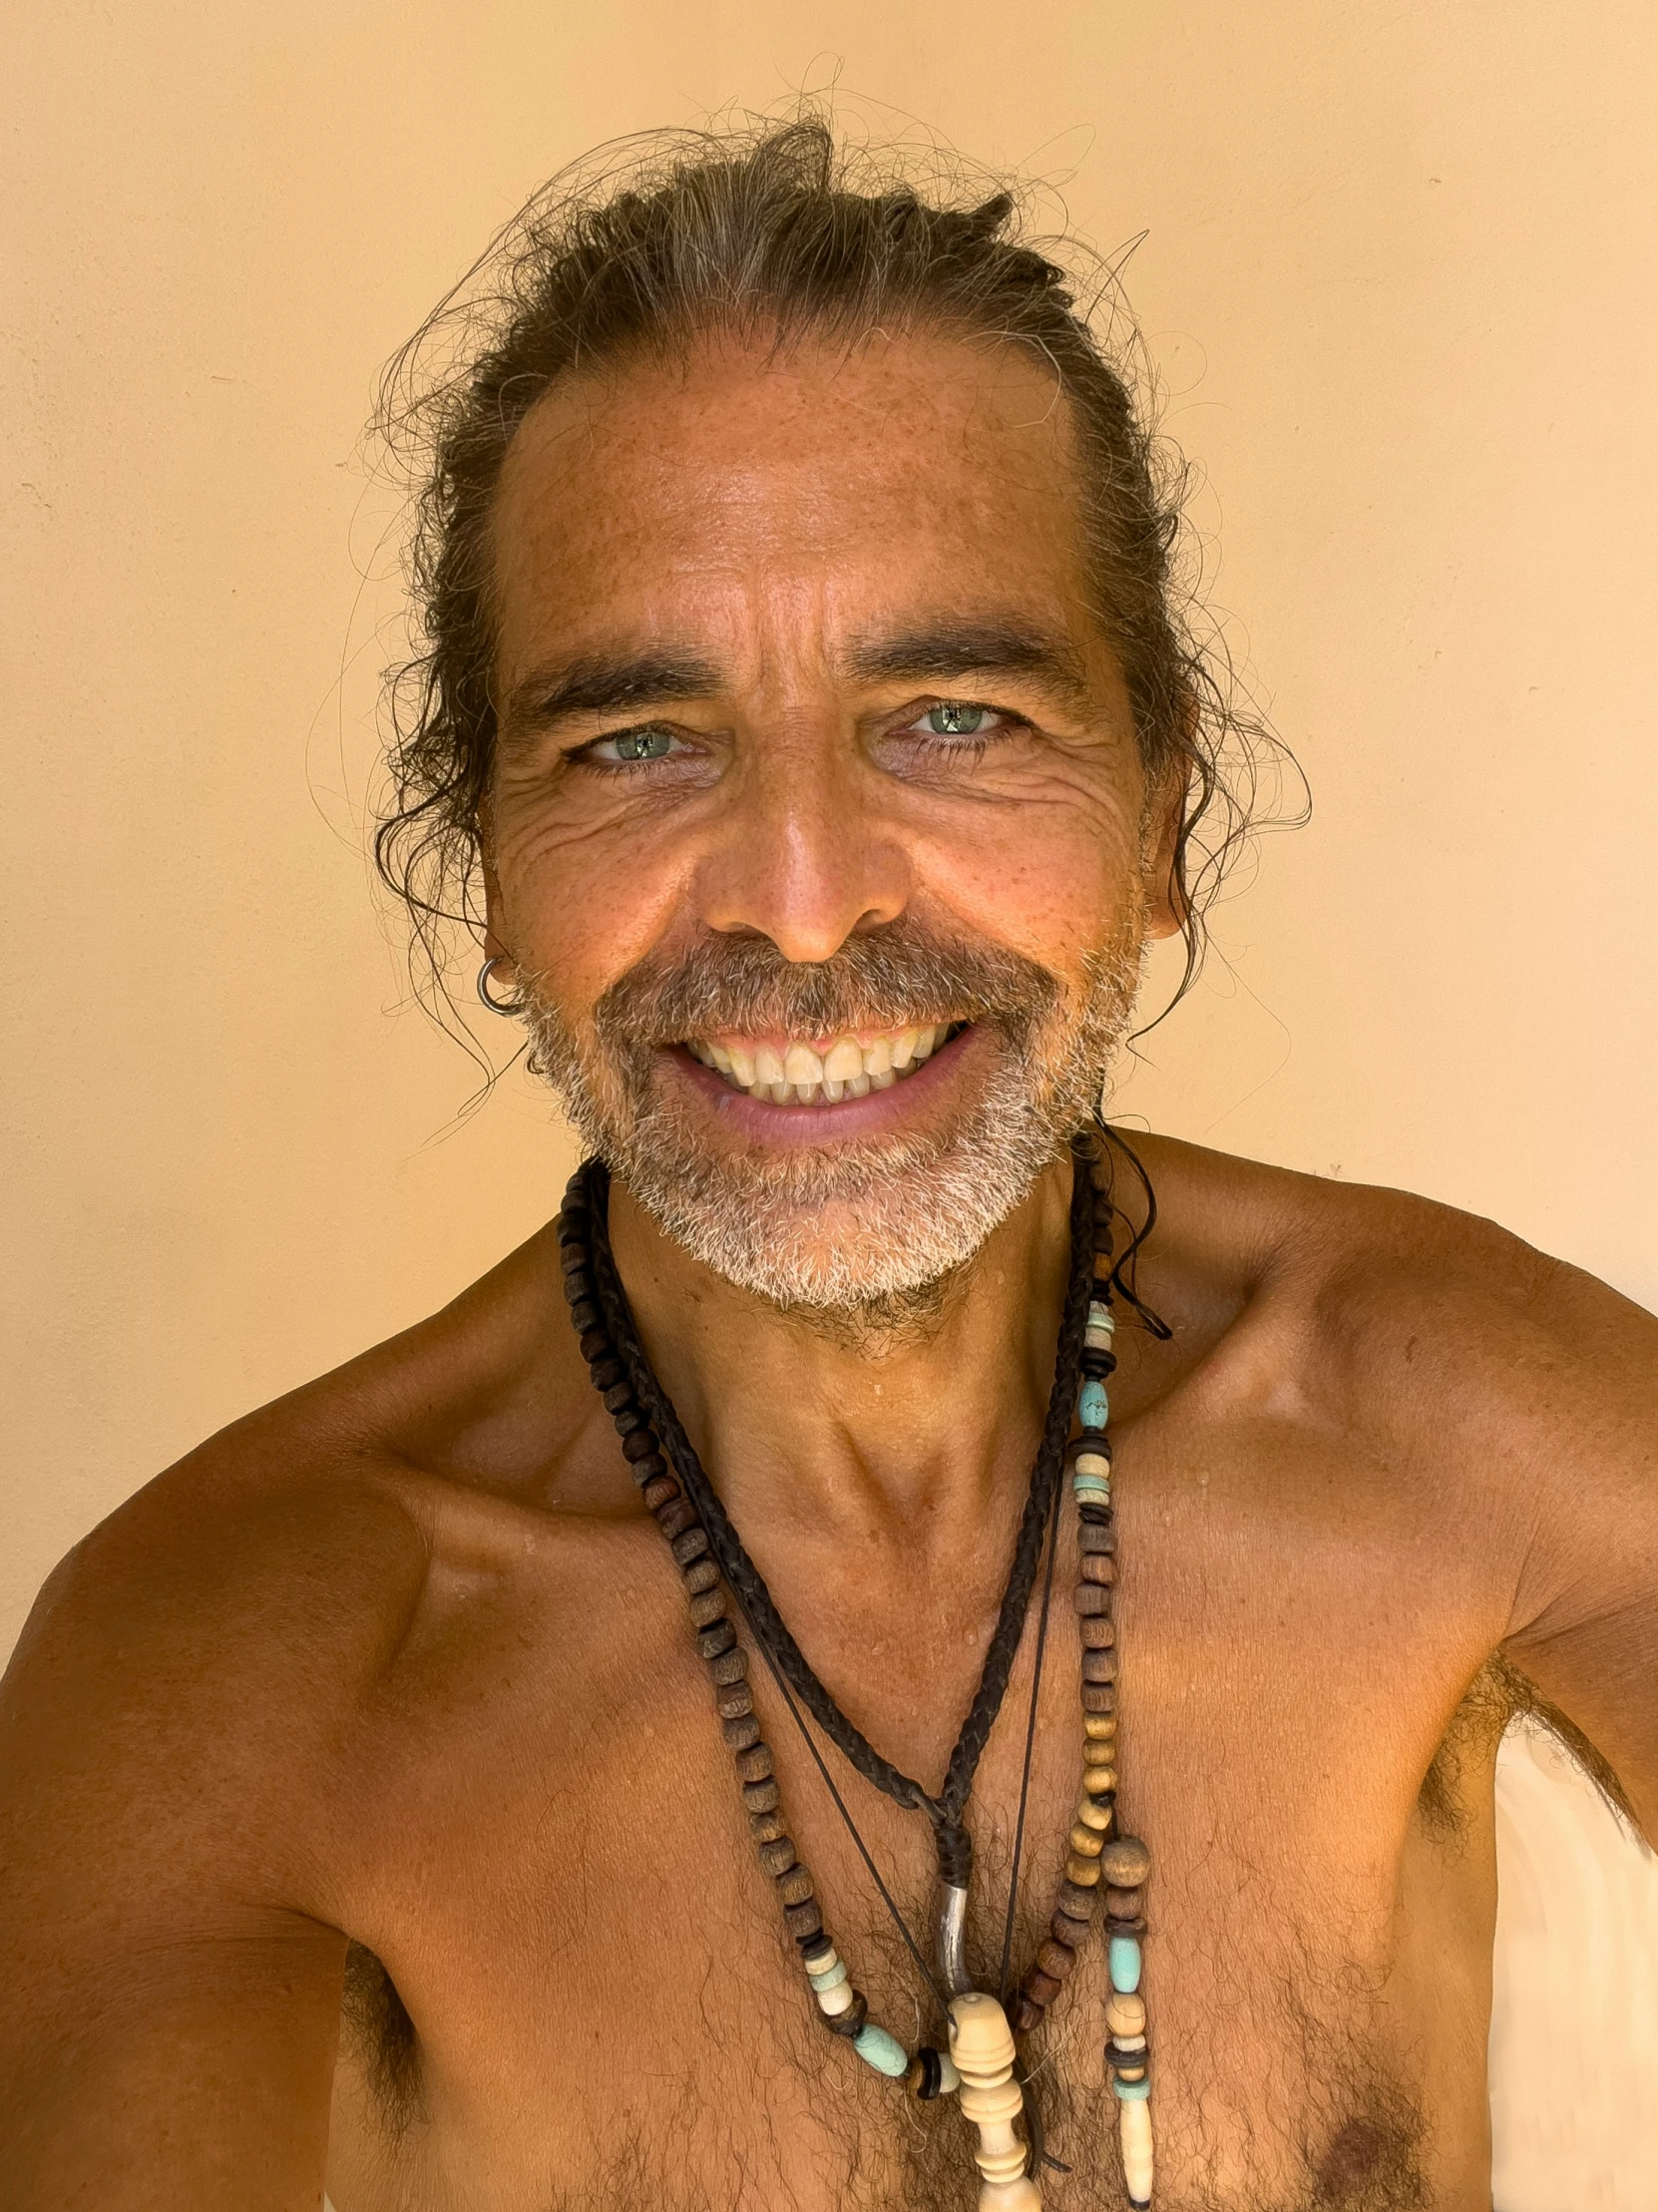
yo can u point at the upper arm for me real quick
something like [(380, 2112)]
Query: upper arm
[(171, 1969), (1584, 1626)]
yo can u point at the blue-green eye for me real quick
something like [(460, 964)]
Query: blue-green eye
[(635, 744), (956, 718)]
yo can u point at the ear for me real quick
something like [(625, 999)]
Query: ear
[(495, 944), (1167, 907)]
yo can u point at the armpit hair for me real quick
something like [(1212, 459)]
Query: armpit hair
[(382, 2039)]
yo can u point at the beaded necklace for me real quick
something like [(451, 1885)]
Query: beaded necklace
[(1101, 1865)]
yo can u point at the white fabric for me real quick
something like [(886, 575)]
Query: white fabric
[(1574, 2016)]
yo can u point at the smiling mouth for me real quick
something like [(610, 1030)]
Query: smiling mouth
[(795, 1073)]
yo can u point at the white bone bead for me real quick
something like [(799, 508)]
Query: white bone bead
[(982, 2047), (1135, 2136)]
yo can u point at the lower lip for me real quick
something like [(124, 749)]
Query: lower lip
[(814, 1124)]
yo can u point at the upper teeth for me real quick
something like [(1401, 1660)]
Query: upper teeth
[(799, 1074)]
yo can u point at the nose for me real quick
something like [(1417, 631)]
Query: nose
[(804, 853)]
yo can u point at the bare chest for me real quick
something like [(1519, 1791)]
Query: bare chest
[(587, 1993)]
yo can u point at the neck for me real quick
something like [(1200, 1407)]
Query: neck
[(856, 1432)]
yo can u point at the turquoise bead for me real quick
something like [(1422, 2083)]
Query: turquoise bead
[(1100, 1317), (830, 1980), (1124, 1954), (1132, 2092), (881, 2051), (1093, 1408), (1093, 1486)]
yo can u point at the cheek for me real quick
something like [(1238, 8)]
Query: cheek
[(581, 903), (1055, 881)]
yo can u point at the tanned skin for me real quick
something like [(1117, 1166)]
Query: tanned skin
[(401, 1663)]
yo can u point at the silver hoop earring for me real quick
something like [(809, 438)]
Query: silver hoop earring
[(506, 1006)]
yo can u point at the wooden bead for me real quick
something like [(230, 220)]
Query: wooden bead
[(706, 1607), (1098, 1538), (691, 1545), (1056, 1958), (660, 1491), (1098, 1566), (608, 1377), (794, 1886), (1125, 2014), (741, 1731), (778, 1856), (755, 1764), (1125, 1863), (1097, 1754), (1072, 1932), (1100, 1666), (850, 2018), (805, 1920), (1123, 1904), (762, 1796), (638, 1445), (1099, 1697), (648, 1469), (1077, 1901), (1043, 1987), (1097, 1634), (1026, 2014), (712, 1641), (675, 1516), (1101, 1727), (767, 1827), (1085, 1843), (1089, 1597), (1081, 1872), (699, 1575), (1094, 1817), (732, 1665), (1100, 1781), (733, 1701)]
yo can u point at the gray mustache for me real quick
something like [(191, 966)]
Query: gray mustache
[(889, 979)]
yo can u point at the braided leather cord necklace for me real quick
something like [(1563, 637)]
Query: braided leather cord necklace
[(1100, 1864)]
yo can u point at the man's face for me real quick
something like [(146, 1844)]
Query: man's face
[(818, 836)]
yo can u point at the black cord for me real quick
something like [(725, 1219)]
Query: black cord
[(1030, 1747)]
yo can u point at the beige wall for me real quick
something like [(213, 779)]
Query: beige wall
[(1397, 274)]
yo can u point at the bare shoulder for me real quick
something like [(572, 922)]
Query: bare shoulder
[(195, 1671)]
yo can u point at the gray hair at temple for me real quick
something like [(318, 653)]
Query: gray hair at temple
[(780, 229)]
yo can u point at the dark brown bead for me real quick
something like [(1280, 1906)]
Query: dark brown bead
[(1026, 2015), (1097, 1634), (698, 1575), (710, 1643), (1125, 1863), (1099, 1667), (595, 1345), (1071, 1933), (1118, 2055), (1089, 1597), (660, 1491), (755, 1764), (794, 1886), (730, 1703), (762, 1796), (806, 1919), (638, 1445), (1040, 1988), (627, 1421), (778, 1856), (706, 1607), (1098, 1566), (578, 1289), (573, 1253), (729, 1667), (854, 2019), (1099, 1697), (767, 1827), (584, 1313), (1077, 1903), (648, 1469), (743, 1732), (608, 1376), (691, 1545), (1096, 1364), (1123, 1904), (1056, 1958), (1096, 1536), (674, 1518)]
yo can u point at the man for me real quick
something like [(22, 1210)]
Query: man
[(805, 683)]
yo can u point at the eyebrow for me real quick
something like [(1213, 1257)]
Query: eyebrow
[(942, 650), (607, 683)]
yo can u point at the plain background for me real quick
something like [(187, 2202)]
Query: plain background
[(1397, 278)]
